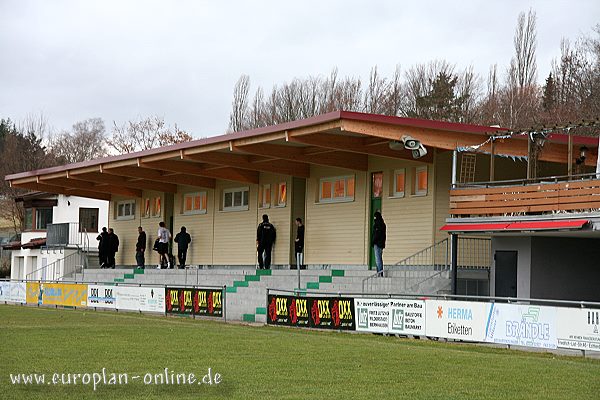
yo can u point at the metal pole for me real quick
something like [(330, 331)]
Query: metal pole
[(454, 260), (454, 163)]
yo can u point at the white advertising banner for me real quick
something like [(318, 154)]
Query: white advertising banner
[(151, 299), (18, 292), (4, 291), (398, 316), (407, 317), (521, 325), (102, 296), (578, 328), (14, 292), (460, 320)]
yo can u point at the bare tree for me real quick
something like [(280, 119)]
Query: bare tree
[(239, 112), (86, 141), (523, 66), (147, 133)]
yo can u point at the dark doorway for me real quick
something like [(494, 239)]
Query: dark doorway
[(506, 273), (376, 195)]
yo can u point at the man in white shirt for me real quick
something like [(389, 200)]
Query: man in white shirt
[(163, 245)]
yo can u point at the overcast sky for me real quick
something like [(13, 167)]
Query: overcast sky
[(120, 60)]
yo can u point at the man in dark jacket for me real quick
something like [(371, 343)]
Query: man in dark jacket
[(378, 241), (265, 237), (140, 248), (183, 239), (299, 244), (113, 247), (102, 247)]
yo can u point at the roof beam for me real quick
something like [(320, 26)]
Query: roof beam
[(293, 168), (43, 187), (124, 182), (360, 145), (337, 159), (157, 175), (196, 169), (89, 186)]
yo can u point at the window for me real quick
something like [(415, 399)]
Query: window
[(420, 181), (125, 210), (399, 182), (29, 212), (156, 210), (38, 218), (235, 199), (281, 194), (336, 189), (147, 208), (194, 203), (264, 196), (88, 219)]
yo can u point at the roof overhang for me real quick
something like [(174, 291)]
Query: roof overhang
[(339, 139)]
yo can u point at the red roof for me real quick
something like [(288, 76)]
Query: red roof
[(329, 117)]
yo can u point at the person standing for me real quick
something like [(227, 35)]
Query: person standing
[(140, 248), (113, 248), (163, 245), (102, 247), (299, 244), (183, 239), (265, 237), (379, 241)]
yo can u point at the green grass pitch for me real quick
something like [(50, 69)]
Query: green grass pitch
[(267, 362)]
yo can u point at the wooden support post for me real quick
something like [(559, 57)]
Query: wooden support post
[(492, 159), (570, 154)]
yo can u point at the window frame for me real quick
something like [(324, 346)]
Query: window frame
[(195, 211), (124, 217), (395, 192), (332, 181), (91, 211), (242, 207), (416, 191)]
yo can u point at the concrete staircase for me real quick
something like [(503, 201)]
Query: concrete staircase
[(245, 297)]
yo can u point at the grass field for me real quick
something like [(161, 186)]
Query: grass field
[(268, 362)]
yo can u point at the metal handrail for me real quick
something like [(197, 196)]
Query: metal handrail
[(526, 181)]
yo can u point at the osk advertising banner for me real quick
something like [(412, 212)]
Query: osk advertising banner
[(398, 316), (314, 312), (521, 325), (459, 320), (578, 328), (134, 298)]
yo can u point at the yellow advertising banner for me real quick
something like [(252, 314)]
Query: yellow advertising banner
[(59, 294)]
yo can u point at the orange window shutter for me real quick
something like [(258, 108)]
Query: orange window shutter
[(267, 195), (422, 180), (147, 208), (188, 203), (282, 193), (326, 190), (197, 201), (157, 206), (339, 188), (400, 182), (350, 187)]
